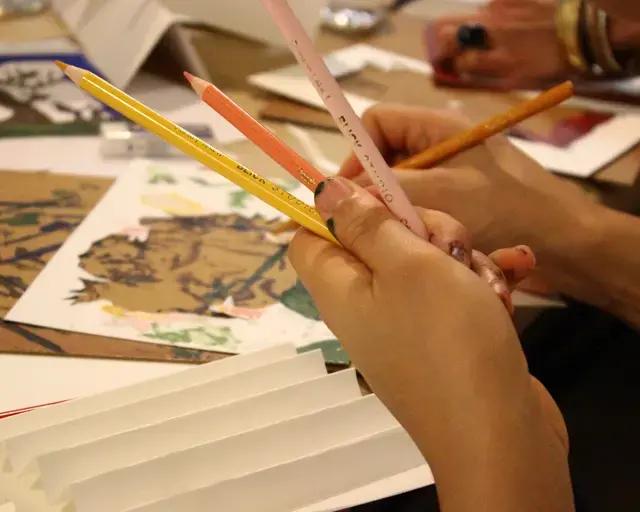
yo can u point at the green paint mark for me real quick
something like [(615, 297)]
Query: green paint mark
[(202, 182), (22, 219), (158, 175), (186, 354), (332, 351), (238, 198), (297, 299), (203, 336)]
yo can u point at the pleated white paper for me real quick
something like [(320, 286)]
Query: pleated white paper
[(265, 431)]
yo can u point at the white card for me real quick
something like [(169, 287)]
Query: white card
[(301, 483), (60, 469), (140, 24), (242, 454), (23, 449), (52, 415)]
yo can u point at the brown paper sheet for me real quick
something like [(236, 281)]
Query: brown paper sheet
[(38, 211)]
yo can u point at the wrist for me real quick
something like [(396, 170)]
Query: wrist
[(624, 34), (565, 243)]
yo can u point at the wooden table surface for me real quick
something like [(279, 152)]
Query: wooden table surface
[(403, 34)]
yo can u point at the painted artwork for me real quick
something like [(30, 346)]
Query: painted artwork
[(560, 127), (38, 211), (175, 254), (36, 98)]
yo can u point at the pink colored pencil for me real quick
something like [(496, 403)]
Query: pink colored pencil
[(347, 120), (282, 154)]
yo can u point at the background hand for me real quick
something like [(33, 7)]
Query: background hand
[(524, 48), (500, 195)]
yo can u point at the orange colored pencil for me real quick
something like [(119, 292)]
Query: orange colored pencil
[(271, 145), (492, 126)]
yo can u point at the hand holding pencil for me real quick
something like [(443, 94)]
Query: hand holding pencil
[(476, 135)]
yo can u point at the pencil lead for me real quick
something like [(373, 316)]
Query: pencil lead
[(188, 76), (61, 65)]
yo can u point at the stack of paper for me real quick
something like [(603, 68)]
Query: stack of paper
[(266, 431)]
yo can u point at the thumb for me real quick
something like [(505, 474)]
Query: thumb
[(364, 226)]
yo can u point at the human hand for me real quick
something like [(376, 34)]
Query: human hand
[(425, 331), (523, 48), (503, 197)]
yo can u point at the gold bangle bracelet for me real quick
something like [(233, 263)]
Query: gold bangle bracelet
[(568, 31), (597, 23)]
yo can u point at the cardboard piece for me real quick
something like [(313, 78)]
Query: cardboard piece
[(38, 211), (51, 206)]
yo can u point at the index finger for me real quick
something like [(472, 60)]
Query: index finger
[(399, 129)]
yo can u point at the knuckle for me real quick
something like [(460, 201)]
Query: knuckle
[(360, 230), (413, 265)]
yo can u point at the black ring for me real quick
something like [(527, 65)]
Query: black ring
[(472, 36)]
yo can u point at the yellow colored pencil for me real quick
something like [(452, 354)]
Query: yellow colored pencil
[(171, 133)]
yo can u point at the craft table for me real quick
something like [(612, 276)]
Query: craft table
[(403, 34), (619, 186)]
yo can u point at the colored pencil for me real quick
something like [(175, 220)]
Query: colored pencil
[(476, 135), (171, 133), (343, 114), (492, 126), (265, 139)]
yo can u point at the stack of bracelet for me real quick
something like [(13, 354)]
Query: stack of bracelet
[(583, 30)]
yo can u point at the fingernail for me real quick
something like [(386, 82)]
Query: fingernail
[(458, 251), (329, 194), (526, 250), (319, 189)]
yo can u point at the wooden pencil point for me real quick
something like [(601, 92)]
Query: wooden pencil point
[(197, 84), (61, 65)]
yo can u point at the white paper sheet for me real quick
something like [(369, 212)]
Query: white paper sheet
[(46, 417), (118, 35), (303, 482), (243, 454), (58, 470), (22, 450)]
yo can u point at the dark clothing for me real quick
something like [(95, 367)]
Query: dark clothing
[(590, 363)]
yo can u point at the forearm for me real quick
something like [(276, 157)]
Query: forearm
[(602, 267), (490, 442)]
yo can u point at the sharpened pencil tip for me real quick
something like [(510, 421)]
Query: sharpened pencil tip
[(62, 65), (197, 84)]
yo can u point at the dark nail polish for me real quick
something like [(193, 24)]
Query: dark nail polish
[(331, 227), (472, 37), (458, 251), (319, 188)]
